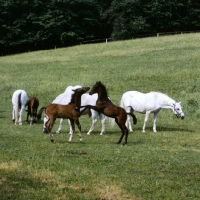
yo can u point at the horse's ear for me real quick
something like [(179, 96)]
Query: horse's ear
[(180, 102)]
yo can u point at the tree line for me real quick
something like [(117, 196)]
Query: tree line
[(37, 23)]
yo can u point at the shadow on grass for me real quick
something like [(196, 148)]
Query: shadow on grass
[(162, 128)]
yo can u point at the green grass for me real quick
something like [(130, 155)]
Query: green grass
[(152, 166)]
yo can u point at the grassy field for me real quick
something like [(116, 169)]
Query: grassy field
[(153, 166)]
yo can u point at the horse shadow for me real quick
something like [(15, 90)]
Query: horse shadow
[(160, 129), (2, 111)]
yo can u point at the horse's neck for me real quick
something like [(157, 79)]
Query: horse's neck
[(76, 100), (167, 102), (102, 95)]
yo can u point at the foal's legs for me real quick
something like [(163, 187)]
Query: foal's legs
[(73, 128), (49, 126), (32, 113), (124, 130), (79, 128)]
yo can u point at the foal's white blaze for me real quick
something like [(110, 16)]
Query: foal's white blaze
[(149, 103)]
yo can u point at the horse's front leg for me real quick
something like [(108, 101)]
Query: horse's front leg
[(145, 121), (70, 127), (154, 122), (13, 114), (31, 120), (79, 128), (73, 129)]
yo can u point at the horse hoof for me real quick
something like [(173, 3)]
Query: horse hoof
[(53, 141), (118, 142), (58, 132), (20, 123), (45, 130)]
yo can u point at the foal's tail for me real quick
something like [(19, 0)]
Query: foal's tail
[(40, 112), (134, 117)]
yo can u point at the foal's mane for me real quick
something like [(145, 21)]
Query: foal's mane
[(72, 97), (104, 90)]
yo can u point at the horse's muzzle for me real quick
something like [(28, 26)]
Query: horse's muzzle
[(182, 117)]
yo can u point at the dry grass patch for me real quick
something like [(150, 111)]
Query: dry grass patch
[(113, 192)]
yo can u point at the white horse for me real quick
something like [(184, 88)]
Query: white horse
[(149, 103), (86, 99), (19, 101)]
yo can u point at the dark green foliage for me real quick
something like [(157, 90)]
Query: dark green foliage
[(38, 24)]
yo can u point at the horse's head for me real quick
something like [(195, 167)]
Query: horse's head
[(96, 86), (81, 90), (177, 109)]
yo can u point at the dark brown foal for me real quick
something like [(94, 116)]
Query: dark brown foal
[(105, 106), (70, 111), (33, 104)]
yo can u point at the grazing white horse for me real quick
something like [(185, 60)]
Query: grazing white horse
[(19, 101), (86, 99), (148, 103)]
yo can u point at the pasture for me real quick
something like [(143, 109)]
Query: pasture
[(162, 165)]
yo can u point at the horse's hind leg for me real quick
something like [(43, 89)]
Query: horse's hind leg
[(94, 120), (102, 117), (60, 126), (49, 126), (120, 139), (20, 114)]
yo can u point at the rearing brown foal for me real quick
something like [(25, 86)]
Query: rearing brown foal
[(70, 111), (105, 106)]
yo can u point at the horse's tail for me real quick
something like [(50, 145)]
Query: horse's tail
[(40, 112), (134, 117)]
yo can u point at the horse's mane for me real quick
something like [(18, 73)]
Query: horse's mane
[(72, 97), (104, 88)]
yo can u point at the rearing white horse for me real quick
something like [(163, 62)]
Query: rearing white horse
[(148, 103), (19, 101), (86, 99)]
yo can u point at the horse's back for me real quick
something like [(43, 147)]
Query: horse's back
[(65, 97), (87, 99), (141, 102), (23, 98)]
